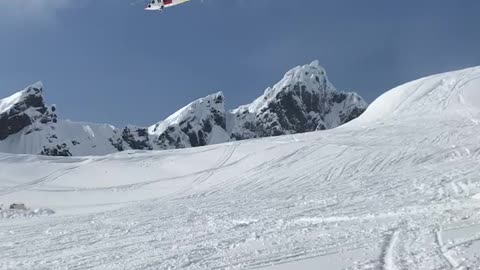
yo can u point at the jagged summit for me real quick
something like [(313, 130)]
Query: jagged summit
[(199, 123), (23, 109), (311, 74), (200, 106), (304, 100), (30, 96)]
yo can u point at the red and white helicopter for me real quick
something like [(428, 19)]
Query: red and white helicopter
[(160, 5)]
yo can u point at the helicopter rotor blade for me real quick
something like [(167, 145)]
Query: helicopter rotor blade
[(136, 2)]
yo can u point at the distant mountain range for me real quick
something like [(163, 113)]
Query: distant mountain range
[(304, 100)]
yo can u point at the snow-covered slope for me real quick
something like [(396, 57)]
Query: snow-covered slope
[(397, 188), (303, 101), (436, 96)]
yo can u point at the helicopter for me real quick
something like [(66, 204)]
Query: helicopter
[(160, 5)]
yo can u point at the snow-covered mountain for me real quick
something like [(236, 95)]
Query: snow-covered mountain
[(200, 123), (23, 109), (28, 125), (304, 100), (396, 188)]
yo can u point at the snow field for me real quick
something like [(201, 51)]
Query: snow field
[(395, 189)]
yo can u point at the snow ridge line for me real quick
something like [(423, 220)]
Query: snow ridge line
[(388, 256), (444, 249), (463, 242)]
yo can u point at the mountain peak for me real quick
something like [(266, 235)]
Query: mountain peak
[(197, 109), (37, 85), (31, 96), (201, 122), (316, 64), (215, 98), (303, 100), (23, 109), (307, 72), (310, 78)]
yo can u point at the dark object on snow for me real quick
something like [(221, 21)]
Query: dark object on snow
[(17, 206)]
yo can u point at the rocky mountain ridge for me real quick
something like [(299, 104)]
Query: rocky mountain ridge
[(304, 100)]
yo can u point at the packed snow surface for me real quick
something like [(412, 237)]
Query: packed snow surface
[(397, 188)]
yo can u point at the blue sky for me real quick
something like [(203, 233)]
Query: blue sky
[(110, 62)]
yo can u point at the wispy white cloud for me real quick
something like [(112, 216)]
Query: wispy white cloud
[(32, 10)]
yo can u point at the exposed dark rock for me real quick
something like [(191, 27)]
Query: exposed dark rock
[(118, 144), (137, 138), (29, 108), (58, 150)]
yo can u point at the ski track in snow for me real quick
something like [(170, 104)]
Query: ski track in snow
[(439, 239), (392, 195), (43, 180), (389, 256)]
